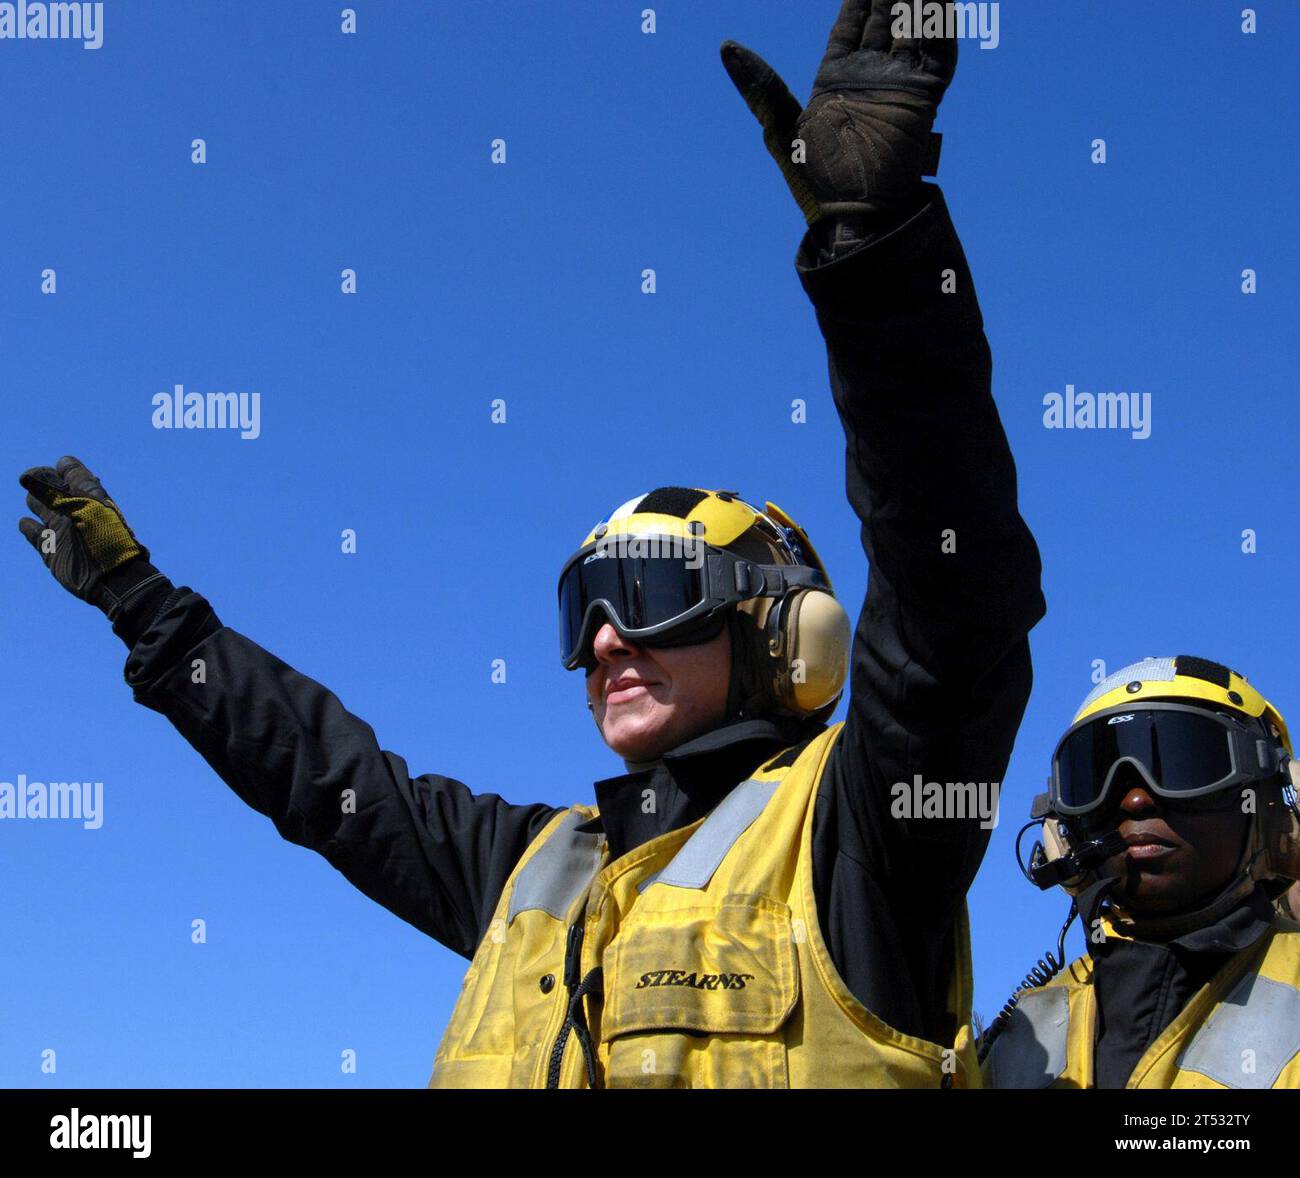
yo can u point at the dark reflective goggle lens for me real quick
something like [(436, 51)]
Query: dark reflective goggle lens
[(640, 592), (1180, 751)]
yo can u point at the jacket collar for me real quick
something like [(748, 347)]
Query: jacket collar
[(687, 781), (1238, 929)]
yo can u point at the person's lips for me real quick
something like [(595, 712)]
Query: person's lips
[(627, 687), (1143, 846)]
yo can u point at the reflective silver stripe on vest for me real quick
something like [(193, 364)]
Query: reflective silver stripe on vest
[(1031, 1052), (559, 872), (693, 866), (1259, 1016)]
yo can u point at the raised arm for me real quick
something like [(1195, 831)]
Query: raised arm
[(940, 669), (426, 848), (940, 661)]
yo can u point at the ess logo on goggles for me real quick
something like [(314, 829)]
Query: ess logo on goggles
[(1179, 751), (658, 595)]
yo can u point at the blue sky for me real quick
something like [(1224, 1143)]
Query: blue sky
[(521, 282)]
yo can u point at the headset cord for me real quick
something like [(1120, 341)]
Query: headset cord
[(1042, 972)]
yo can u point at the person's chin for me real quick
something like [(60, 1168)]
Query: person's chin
[(1157, 894), (1140, 887), (634, 733)]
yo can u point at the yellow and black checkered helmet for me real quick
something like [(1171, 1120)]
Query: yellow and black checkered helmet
[(676, 565), (1188, 679)]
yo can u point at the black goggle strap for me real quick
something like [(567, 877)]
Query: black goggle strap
[(748, 580)]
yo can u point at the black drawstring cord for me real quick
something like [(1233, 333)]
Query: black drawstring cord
[(591, 984), (576, 1021)]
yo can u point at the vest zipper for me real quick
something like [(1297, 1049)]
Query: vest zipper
[(573, 955)]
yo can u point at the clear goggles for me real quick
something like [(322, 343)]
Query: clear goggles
[(1178, 750), (662, 591)]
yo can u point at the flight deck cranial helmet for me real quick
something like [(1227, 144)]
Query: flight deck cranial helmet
[(1188, 728), (675, 566)]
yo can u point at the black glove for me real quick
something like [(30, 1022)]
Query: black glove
[(83, 538), (866, 129)]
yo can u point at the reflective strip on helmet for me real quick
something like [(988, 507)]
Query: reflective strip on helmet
[(1146, 671)]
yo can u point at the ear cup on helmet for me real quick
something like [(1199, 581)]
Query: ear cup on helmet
[(796, 652), (1279, 831), (1056, 845), (815, 650)]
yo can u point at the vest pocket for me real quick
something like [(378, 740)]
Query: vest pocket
[(699, 996)]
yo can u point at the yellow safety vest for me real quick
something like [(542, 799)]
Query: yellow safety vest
[(1240, 1030), (713, 968)]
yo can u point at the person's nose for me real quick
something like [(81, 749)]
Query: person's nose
[(1135, 795), (609, 644)]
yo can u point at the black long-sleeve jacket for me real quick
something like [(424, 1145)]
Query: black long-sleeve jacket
[(940, 668)]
